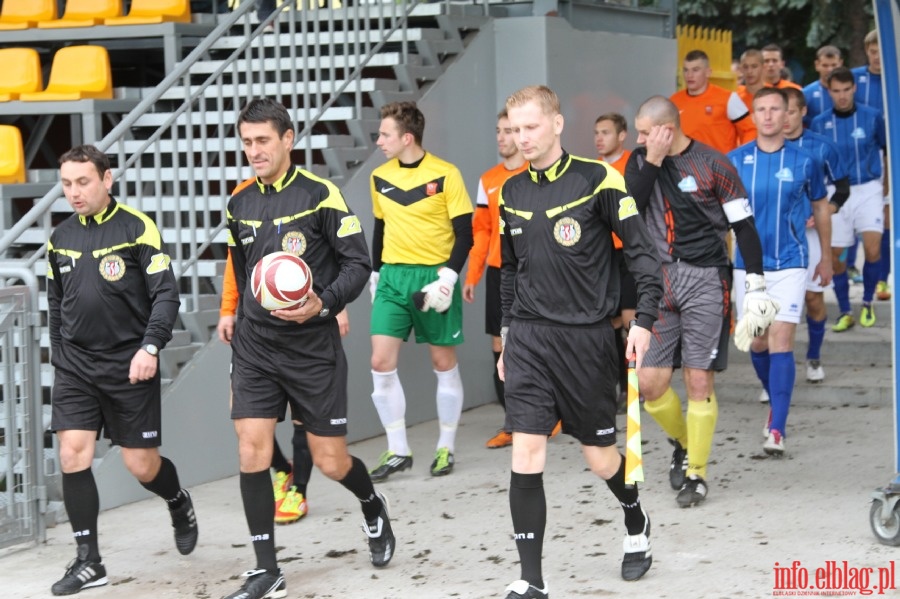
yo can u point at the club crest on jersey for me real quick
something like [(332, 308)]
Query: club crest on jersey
[(858, 133), (863, 78), (567, 231), (785, 175), (293, 242), (709, 110), (431, 188), (688, 184), (112, 268)]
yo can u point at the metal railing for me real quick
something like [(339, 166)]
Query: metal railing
[(22, 492), (181, 175)]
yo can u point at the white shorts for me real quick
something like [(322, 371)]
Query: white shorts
[(815, 255), (787, 287), (863, 212)]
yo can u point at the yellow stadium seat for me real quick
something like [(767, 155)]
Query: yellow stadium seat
[(12, 155), (23, 14), (78, 72), (21, 72), (149, 12), (85, 13)]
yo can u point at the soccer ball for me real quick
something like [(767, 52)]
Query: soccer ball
[(281, 281)]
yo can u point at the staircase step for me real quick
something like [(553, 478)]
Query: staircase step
[(325, 38), (271, 65), (273, 89)]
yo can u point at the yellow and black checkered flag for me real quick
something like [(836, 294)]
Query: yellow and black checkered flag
[(634, 464)]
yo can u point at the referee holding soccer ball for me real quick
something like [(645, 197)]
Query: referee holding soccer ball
[(293, 356)]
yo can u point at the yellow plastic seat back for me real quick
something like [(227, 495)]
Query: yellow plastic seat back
[(21, 72), (23, 14), (78, 72), (12, 155), (85, 13), (149, 12)]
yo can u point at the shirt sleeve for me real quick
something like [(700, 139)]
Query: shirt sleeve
[(458, 201), (509, 266), (162, 288), (54, 298), (230, 294), (481, 232), (345, 234)]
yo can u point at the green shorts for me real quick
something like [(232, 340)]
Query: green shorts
[(394, 314)]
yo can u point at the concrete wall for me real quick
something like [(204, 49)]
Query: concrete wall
[(593, 72)]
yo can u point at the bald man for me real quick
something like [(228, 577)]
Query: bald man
[(690, 195)]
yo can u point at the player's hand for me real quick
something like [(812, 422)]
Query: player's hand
[(143, 367), (659, 142), (824, 270), (759, 312), (638, 344), (309, 309), (343, 320), (439, 294), (373, 283), (225, 328), (468, 293), (501, 372)]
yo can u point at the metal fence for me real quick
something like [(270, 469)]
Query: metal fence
[(22, 492)]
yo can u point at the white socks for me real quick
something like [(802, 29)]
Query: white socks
[(449, 406), (390, 402)]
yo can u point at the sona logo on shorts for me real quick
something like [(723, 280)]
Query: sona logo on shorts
[(150, 434), (337, 421), (605, 431)]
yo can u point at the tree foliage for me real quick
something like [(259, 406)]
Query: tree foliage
[(800, 27)]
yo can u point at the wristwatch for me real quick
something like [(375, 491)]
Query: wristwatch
[(151, 349), (324, 312)]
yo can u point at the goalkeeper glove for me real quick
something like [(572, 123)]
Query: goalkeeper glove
[(373, 283), (760, 311), (439, 294)]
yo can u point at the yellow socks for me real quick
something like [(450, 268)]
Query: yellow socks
[(701, 425), (667, 412)]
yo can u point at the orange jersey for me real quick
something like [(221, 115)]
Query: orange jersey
[(783, 83), (229, 290), (619, 165), (486, 222), (717, 117)]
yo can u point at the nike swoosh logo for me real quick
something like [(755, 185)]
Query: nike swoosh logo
[(456, 334), (387, 189), (493, 189)]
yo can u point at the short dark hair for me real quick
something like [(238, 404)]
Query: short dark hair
[(408, 117), (841, 75), (266, 110), (829, 52), (87, 154), (770, 91), (792, 93), (773, 48), (503, 114), (696, 55), (617, 119)]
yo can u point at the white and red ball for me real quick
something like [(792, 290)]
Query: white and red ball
[(281, 281)]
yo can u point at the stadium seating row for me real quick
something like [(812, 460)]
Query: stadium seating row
[(42, 14), (77, 73)]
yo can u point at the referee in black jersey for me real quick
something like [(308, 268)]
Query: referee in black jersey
[(559, 291), (112, 302), (293, 357)]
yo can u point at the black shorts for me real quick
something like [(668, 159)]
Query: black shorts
[(561, 373), (493, 311), (304, 367), (627, 287), (129, 415)]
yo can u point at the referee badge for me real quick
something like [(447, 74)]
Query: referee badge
[(294, 242), (567, 231), (112, 268)]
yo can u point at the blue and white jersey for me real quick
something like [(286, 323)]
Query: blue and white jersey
[(823, 150), (818, 100), (780, 188), (868, 88), (860, 138)]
